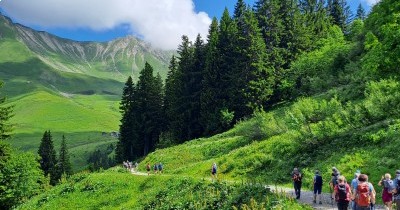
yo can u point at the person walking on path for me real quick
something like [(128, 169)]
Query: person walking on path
[(365, 194), (317, 187), (297, 177), (388, 187), (334, 180), (342, 193), (155, 168), (214, 171), (354, 184), (148, 168), (160, 167), (396, 191)]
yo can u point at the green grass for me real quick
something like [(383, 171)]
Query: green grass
[(268, 146), (117, 189), (82, 119)]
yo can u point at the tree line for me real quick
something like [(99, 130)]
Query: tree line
[(244, 66)]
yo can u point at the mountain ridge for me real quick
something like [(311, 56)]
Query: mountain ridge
[(115, 59)]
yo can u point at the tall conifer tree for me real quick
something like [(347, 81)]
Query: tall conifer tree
[(127, 135), (48, 157), (64, 164), (360, 13)]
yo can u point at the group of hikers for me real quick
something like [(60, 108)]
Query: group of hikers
[(130, 166), (359, 195), (157, 168)]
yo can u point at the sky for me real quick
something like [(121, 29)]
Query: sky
[(159, 22)]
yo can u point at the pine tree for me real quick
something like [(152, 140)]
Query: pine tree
[(193, 87), (5, 115), (148, 111), (185, 52), (340, 13), (64, 164), (48, 157), (227, 62), (255, 77), (315, 18), (171, 100), (124, 148), (211, 96), (360, 13)]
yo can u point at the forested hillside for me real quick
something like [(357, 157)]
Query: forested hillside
[(277, 85)]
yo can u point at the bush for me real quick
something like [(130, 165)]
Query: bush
[(20, 179)]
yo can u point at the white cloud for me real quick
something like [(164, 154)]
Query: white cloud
[(371, 2), (160, 22)]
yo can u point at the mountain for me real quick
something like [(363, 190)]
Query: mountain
[(68, 87)]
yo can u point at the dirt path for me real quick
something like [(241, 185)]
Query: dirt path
[(306, 196)]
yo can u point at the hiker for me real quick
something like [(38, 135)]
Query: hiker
[(364, 194), (214, 171), (387, 195), (297, 177), (155, 168), (160, 167), (317, 187), (354, 184), (342, 193), (334, 180), (137, 166), (148, 168), (396, 190)]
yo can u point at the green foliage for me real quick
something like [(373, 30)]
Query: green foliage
[(21, 178), (100, 159), (111, 189), (64, 164), (383, 99), (48, 159), (5, 116)]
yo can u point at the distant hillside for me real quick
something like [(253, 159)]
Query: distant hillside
[(68, 87), (114, 59)]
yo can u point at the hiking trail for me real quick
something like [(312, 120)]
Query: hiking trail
[(306, 196)]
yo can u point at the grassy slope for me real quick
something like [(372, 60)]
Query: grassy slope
[(82, 119), (117, 189), (73, 105), (270, 159)]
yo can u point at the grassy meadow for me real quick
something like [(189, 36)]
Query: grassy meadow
[(118, 189)]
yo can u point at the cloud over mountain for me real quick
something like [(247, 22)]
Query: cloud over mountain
[(160, 22)]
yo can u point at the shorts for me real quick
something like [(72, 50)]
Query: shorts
[(386, 196), (317, 189)]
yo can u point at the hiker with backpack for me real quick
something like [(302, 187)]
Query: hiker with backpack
[(388, 187), (160, 167), (317, 187), (364, 194), (297, 177), (353, 185), (396, 191), (334, 180), (342, 193), (155, 168)]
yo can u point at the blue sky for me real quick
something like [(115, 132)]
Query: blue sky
[(162, 25)]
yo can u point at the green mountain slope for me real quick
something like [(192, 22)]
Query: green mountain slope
[(68, 87)]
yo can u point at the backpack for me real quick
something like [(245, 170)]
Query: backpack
[(318, 180), (335, 177), (342, 193), (363, 198), (297, 177), (397, 187), (389, 186)]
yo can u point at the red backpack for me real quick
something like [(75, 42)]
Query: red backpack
[(363, 198)]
